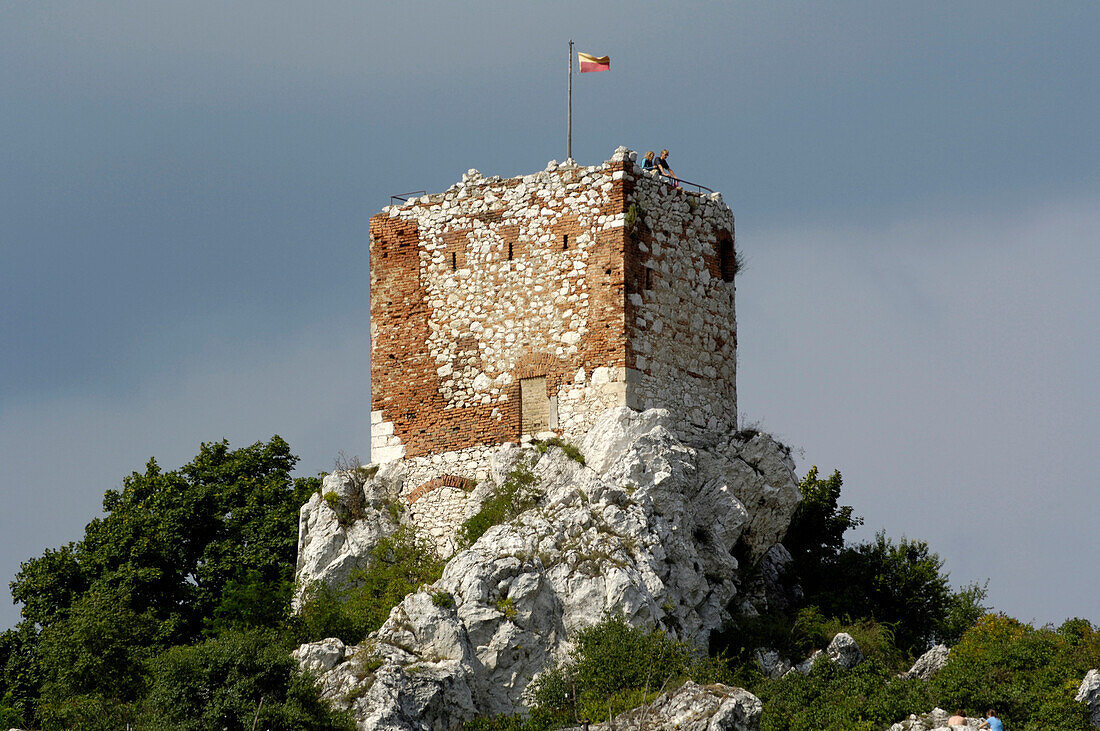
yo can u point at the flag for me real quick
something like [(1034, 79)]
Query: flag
[(593, 63)]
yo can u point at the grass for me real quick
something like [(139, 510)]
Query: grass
[(571, 450)]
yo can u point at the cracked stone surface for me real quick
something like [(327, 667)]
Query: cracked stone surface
[(648, 527)]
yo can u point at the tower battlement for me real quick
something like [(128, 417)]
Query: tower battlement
[(509, 307)]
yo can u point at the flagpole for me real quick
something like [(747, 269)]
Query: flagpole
[(569, 123)]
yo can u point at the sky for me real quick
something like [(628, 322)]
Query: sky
[(185, 191)]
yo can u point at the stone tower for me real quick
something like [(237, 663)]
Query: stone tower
[(503, 308)]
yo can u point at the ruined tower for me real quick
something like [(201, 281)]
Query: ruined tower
[(509, 307)]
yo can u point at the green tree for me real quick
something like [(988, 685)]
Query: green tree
[(93, 661), (900, 583), (176, 553), (20, 675), (897, 583), (48, 585), (816, 534), (173, 541)]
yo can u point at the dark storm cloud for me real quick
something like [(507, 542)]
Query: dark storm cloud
[(186, 189)]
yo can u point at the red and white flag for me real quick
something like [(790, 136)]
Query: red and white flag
[(593, 63)]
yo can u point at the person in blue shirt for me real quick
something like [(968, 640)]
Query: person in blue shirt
[(991, 722), (647, 164)]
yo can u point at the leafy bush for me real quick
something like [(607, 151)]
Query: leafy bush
[(809, 632), (614, 667), (397, 565), (516, 495), (633, 216), (443, 599), (1029, 675), (796, 637), (875, 640), (241, 680), (537, 720), (865, 698), (507, 607), (571, 450)]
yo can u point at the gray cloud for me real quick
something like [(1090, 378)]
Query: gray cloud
[(186, 190), (945, 366)]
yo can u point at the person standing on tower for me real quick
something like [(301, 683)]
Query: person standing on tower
[(664, 169)]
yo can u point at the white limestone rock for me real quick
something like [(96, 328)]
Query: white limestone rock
[(641, 528), (844, 651), (928, 664), (771, 662), (694, 707), (615, 430), (934, 721), (760, 473), (1089, 694), (320, 657), (335, 540)]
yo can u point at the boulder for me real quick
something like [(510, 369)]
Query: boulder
[(844, 651), (771, 662), (694, 707), (807, 665), (320, 657), (928, 664)]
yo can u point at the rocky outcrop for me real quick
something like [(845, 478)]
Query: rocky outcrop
[(1089, 694), (338, 526), (771, 662), (928, 664), (647, 527), (934, 721), (695, 707), (842, 650), (769, 589)]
